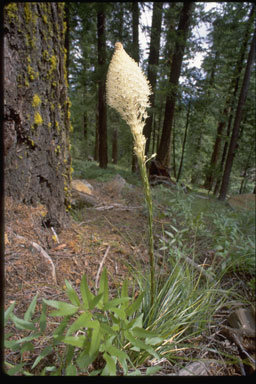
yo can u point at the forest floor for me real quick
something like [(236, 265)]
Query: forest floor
[(118, 226)]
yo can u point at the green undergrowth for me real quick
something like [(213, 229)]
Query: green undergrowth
[(84, 169), (198, 225)]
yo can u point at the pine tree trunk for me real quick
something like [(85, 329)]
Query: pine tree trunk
[(114, 147), (184, 141), (238, 117), (152, 65), (233, 86), (36, 108), (103, 140), (163, 154)]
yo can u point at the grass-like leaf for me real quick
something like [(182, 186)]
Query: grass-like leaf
[(63, 309), (73, 296)]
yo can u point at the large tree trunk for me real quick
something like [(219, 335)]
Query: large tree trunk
[(103, 140), (152, 65), (238, 117), (36, 107), (163, 154)]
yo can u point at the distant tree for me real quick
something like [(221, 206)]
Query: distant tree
[(229, 105), (153, 65), (102, 128), (163, 154), (238, 117), (184, 140)]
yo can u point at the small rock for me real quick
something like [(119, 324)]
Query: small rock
[(194, 369)]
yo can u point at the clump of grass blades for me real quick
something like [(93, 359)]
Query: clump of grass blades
[(183, 307)]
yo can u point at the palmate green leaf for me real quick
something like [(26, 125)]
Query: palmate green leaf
[(87, 296), (103, 286), (84, 360), (58, 332), (46, 351), (22, 324), (63, 309), (31, 309), (135, 305), (120, 313), (8, 311), (73, 297)]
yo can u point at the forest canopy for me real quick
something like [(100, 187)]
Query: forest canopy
[(195, 56)]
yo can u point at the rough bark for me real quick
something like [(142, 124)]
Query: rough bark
[(238, 117), (36, 107), (103, 140), (163, 154), (152, 65)]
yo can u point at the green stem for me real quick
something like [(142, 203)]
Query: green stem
[(148, 198)]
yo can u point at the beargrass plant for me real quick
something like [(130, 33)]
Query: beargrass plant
[(127, 91)]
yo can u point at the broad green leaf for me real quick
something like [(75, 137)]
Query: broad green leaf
[(87, 296), (152, 370), (135, 305), (8, 311), (31, 309), (42, 319), (71, 370), (84, 360), (95, 342), (110, 368), (22, 324), (69, 354), (46, 351), (103, 286), (63, 309), (73, 297), (113, 303), (124, 291), (76, 341)]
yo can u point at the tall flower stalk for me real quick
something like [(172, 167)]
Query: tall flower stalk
[(127, 91)]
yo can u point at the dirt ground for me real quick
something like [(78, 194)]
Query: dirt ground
[(115, 229)]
